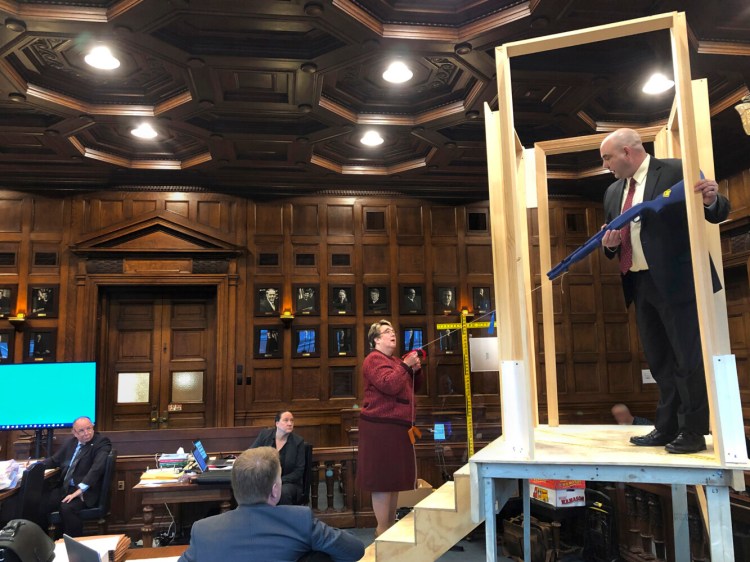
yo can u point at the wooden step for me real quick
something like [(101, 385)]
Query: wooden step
[(437, 523), (369, 554)]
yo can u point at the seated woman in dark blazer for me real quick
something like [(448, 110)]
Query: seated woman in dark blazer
[(291, 450)]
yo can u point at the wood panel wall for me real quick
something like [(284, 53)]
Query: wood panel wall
[(354, 242)]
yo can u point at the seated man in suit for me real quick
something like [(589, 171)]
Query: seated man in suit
[(258, 529), (82, 460)]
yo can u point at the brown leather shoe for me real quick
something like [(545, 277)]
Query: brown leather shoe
[(687, 442), (654, 439)]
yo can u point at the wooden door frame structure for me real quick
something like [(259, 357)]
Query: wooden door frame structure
[(528, 450), (513, 170)]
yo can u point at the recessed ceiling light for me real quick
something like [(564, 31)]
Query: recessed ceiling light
[(101, 58), (657, 84), (397, 73), (144, 131), (371, 138)]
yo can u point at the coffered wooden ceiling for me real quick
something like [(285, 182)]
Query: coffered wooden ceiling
[(270, 98)]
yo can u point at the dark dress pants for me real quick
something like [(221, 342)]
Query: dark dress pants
[(72, 524), (670, 337), (291, 494)]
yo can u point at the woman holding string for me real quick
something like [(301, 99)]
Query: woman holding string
[(386, 459)]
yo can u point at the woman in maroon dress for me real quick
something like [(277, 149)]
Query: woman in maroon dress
[(386, 461)]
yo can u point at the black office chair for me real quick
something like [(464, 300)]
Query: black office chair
[(100, 511), (26, 503), (307, 475)]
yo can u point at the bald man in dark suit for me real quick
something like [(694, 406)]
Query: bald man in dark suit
[(657, 276)]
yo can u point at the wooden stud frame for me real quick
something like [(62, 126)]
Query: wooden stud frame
[(509, 165)]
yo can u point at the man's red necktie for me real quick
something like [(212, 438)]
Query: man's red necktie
[(626, 248)]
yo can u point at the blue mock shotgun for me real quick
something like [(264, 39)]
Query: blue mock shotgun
[(674, 194)]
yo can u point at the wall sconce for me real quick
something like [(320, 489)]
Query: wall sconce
[(287, 317), (743, 108), (18, 321), (465, 311)]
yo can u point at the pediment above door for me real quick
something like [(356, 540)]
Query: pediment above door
[(156, 233), (157, 241)]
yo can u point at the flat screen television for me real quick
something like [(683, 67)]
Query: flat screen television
[(46, 395)]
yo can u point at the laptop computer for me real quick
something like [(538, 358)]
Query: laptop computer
[(200, 452), (79, 552), (214, 474)]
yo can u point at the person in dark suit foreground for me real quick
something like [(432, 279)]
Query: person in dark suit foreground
[(291, 448), (81, 460), (258, 529), (657, 276)]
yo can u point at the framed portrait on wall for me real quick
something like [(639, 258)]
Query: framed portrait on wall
[(445, 297), (7, 337), (306, 299), (412, 299), (305, 342), (268, 342), (43, 301), (7, 300), (39, 346), (448, 342), (268, 300), (341, 341), (481, 299), (341, 300), (412, 337), (342, 382), (376, 300)]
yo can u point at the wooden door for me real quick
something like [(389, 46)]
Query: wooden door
[(159, 357)]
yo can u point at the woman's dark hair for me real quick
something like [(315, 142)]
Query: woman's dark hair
[(279, 414)]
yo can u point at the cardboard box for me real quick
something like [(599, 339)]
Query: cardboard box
[(558, 493), (410, 498)]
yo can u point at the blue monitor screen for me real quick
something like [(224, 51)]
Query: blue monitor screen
[(41, 395)]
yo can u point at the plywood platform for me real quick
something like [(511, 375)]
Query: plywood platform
[(598, 445)]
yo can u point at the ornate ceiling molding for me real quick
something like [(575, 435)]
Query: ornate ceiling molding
[(51, 11), (370, 170)]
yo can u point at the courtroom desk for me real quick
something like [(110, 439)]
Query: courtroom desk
[(177, 492), (155, 553)]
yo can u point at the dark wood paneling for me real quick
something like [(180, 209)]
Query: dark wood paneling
[(375, 259), (409, 221), (305, 220), (411, 259), (443, 221), (268, 218), (479, 259), (340, 220), (11, 214)]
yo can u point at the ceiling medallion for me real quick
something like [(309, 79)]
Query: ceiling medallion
[(313, 9)]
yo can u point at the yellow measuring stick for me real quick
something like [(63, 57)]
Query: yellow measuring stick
[(465, 326)]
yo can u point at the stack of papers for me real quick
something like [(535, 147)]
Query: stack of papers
[(160, 475)]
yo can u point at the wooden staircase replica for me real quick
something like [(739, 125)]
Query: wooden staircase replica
[(436, 524)]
